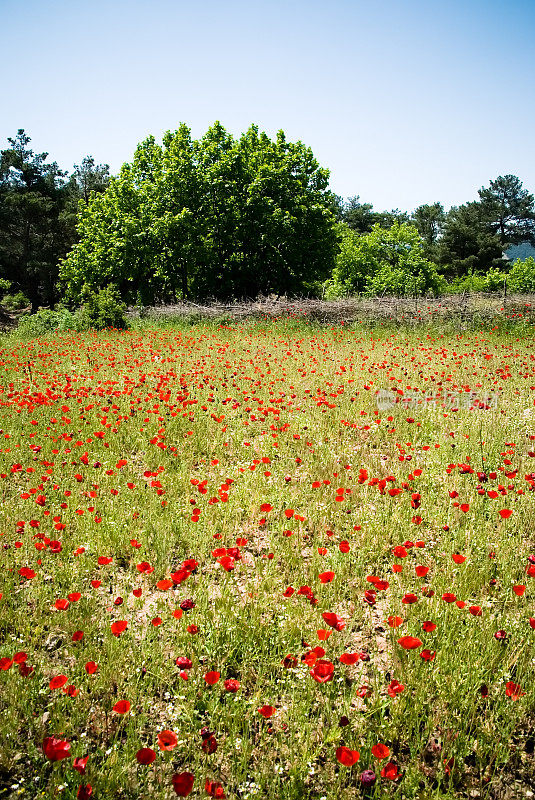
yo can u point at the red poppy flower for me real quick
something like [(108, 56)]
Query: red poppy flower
[(505, 513), (214, 789), (333, 620), (58, 681), (380, 751), (322, 671), (145, 756), (227, 562), (122, 707), (326, 577), (77, 636), (519, 589), (421, 571), (119, 627), (349, 658), (266, 508), (428, 655), (85, 792), (167, 740), (409, 642), (267, 711), (395, 622), (344, 547), (56, 749), (513, 690), (212, 677), (449, 597), (91, 667), (458, 558), (79, 764), (409, 598), (232, 685), (390, 771), (395, 688), (346, 756), (183, 783), (323, 635)]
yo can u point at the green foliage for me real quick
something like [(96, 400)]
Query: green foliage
[(521, 276), (491, 281), (5, 286), (14, 302), (103, 309), (385, 261), (47, 320), (217, 217)]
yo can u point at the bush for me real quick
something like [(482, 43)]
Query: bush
[(521, 276), (14, 302), (103, 309), (48, 320), (385, 261)]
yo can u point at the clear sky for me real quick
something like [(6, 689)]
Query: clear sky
[(405, 101)]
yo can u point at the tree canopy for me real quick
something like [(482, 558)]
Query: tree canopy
[(214, 217)]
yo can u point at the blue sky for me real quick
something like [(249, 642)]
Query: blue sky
[(405, 101)]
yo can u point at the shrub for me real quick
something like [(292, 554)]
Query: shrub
[(103, 309), (521, 276), (14, 302), (48, 320), (385, 261)]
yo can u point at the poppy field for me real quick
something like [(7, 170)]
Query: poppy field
[(267, 560)]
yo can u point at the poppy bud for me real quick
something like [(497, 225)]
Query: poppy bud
[(368, 777)]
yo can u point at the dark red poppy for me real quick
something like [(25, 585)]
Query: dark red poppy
[(121, 707), (183, 783), (145, 756)]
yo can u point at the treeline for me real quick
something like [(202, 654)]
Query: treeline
[(39, 207), (226, 217)]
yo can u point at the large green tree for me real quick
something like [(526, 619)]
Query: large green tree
[(215, 217), (509, 210), (34, 230), (467, 243)]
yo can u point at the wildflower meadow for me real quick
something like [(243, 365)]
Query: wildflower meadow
[(267, 560)]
